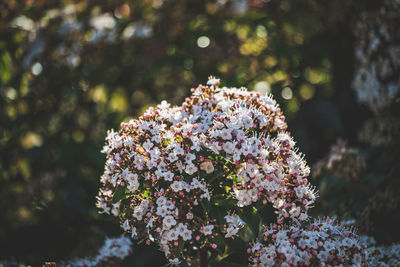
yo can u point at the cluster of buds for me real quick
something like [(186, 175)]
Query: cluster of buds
[(320, 243), (167, 171), (112, 253)]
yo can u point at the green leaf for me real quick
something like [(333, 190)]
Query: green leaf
[(220, 242), (119, 194), (252, 219)]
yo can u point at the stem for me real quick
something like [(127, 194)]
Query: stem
[(203, 258)]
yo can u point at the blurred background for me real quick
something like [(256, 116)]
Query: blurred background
[(70, 70)]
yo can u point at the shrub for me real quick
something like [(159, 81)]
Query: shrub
[(190, 177)]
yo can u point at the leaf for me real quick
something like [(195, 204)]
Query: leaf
[(220, 242), (251, 218), (119, 194)]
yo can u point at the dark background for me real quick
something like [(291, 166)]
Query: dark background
[(70, 70)]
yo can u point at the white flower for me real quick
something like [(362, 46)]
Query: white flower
[(252, 169), (148, 145), (207, 230), (190, 169), (228, 147), (186, 235), (168, 176), (133, 185), (125, 225), (161, 211), (226, 134), (189, 158), (164, 105), (213, 81), (303, 216), (134, 233), (207, 166), (231, 231), (247, 121), (161, 201), (169, 221), (177, 186), (115, 209), (172, 157), (174, 261), (172, 235), (138, 213), (180, 228)]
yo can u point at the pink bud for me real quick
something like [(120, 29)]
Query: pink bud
[(214, 246), (197, 237), (249, 250), (176, 243), (148, 242)]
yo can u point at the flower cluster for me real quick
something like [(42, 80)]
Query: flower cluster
[(383, 130), (114, 249), (172, 173), (376, 79), (381, 256), (320, 243), (342, 160)]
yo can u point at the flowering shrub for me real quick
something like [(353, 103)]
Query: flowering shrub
[(113, 251), (320, 243), (190, 177), (381, 256)]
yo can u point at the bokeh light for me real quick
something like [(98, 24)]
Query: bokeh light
[(203, 41)]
